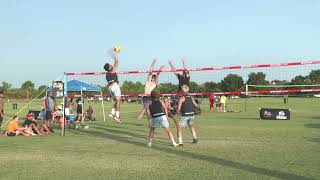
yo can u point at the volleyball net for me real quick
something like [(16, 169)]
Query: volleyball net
[(260, 79)]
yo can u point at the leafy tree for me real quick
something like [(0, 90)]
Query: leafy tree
[(28, 88), (167, 88), (299, 80), (193, 87), (104, 89), (129, 87), (211, 86), (314, 76), (231, 82), (5, 86), (42, 90), (258, 78)]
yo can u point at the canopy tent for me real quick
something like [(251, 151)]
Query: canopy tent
[(79, 86)]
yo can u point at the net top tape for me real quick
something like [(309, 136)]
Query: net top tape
[(199, 69), (236, 92)]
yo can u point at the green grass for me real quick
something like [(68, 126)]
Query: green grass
[(231, 146)]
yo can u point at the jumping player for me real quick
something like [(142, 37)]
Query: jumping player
[(159, 117), (150, 85), (184, 78), (114, 88), (187, 106)]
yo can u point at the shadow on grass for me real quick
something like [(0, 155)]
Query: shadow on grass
[(311, 125), (245, 118), (315, 117), (316, 140), (120, 127), (109, 133)]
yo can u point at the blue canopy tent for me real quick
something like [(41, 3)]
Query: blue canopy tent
[(79, 86)]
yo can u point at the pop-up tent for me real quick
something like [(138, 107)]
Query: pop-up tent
[(80, 87)]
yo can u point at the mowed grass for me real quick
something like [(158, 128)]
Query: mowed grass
[(231, 146)]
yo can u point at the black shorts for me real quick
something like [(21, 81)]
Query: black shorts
[(26, 123), (146, 100), (12, 134), (48, 115), (79, 110)]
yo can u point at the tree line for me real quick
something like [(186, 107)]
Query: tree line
[(232, 82)]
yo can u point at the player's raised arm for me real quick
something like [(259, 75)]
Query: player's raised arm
[(151, 69), (185, 67), (157, 76), (116, 63), (172, 67)]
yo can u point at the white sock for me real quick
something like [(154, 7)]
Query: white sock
[(180, 139), (194, 135), (150, 140), (113, 111), (117, 113), (173, 142)]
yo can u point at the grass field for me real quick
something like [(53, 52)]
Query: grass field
[(231, 146)]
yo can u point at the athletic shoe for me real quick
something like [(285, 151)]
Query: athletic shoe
[(117, 119), (149, 144), (111, 115), (180, 144), (195, 141), (175, 144)]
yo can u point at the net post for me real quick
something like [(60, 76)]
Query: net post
[(82, 104), (102, 104), (246, 99), (65, 96)]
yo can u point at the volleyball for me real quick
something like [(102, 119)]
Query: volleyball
[(116, 48)]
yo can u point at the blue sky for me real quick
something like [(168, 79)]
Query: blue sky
[(39, 40)]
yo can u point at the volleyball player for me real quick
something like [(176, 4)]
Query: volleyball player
[(114, 87)]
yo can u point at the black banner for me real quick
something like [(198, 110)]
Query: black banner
[(274, 114)]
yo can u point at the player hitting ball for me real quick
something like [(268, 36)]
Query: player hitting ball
[(159, 117), (113, 84), (186, 106)]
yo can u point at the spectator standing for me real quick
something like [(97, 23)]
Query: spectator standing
[(49, 105), (211, 101), (1, 109)]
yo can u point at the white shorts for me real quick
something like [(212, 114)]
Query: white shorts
[(115, 90), (186, 120), (162, 121)]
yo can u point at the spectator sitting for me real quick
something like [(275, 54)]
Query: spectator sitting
[(89, 114), (58, 115), (15, 130), (31, 124)]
